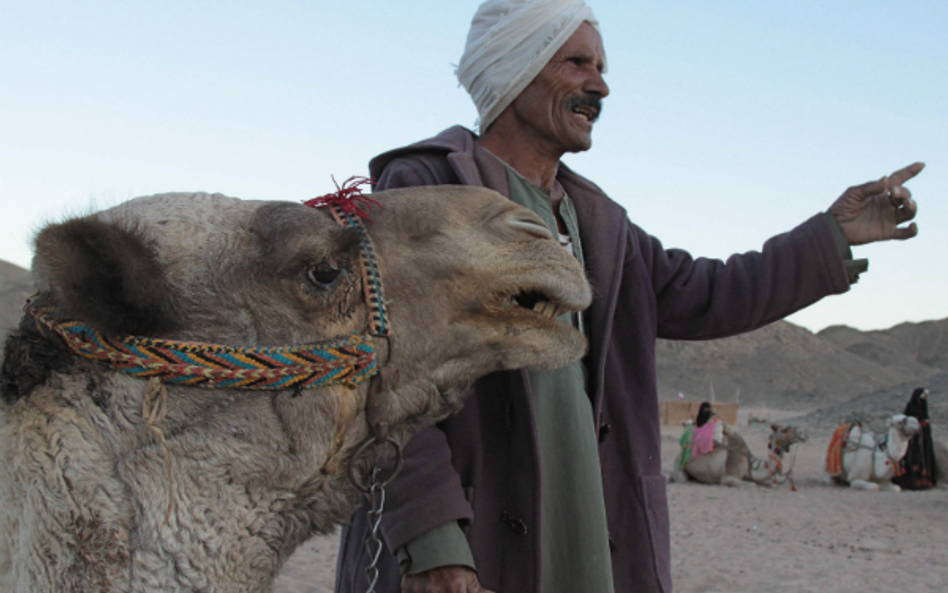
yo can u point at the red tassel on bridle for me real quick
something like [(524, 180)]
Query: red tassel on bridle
[(349, 198)]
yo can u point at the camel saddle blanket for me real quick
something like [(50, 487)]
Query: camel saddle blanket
[(834, 454)]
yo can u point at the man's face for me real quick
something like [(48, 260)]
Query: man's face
[(561, 104)]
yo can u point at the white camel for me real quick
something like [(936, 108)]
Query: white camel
[(198, 376), (868, 462), (941, 464), (731, 462)]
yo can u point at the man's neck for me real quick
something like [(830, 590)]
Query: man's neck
[(523, 154)]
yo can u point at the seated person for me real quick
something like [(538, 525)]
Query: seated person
[(699, 438)]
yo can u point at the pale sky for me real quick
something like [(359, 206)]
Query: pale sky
[(728, 122)]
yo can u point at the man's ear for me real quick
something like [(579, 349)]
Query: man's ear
[(106, 276)]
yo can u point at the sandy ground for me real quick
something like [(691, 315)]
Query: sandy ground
[(820, 538)]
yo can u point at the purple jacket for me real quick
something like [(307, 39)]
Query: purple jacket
[(479, 466)]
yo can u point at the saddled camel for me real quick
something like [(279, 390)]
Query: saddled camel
[(869, 462), (184, 396), (941, 464), (731, 462)]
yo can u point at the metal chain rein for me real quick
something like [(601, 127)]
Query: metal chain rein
[(375, 492)]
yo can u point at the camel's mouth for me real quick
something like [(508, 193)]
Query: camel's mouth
[(533, 302)]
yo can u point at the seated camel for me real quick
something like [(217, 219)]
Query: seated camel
[(858, 458), (941, 464), (184, 397), (731, 462)]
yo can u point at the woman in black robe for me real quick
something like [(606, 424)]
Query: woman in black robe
[(917, 469)]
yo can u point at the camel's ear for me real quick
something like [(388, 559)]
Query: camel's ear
[(104, 275)]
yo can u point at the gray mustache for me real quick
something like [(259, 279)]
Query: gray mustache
[(593, 101)]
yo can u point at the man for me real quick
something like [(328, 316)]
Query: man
[(551, 480)]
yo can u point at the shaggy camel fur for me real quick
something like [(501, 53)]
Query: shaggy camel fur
[(103, 490), (731, 463), (868, 462)]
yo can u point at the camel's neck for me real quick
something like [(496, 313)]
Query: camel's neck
[(897, 444), (886, 459)]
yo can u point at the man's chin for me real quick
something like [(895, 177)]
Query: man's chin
[(581, 145)]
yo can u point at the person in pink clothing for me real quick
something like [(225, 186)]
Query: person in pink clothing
[(707, 427)]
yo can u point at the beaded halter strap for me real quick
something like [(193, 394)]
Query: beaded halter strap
[(348, 361), (349, 206)]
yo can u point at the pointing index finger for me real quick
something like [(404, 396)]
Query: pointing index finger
[(903, 175)]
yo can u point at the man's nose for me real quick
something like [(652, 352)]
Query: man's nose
[(597, 84)]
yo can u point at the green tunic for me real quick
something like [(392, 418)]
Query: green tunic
[(574, 536)]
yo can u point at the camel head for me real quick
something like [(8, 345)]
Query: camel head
[(472, 283), (784, 435), (227, 481), (902, 426)]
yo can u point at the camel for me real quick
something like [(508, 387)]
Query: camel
[(731, 463), (941, 464), (238, 355), (868, 463)]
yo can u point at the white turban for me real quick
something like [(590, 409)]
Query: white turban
[(509, 43)]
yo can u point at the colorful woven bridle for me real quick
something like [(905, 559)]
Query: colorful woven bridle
[(348, 361)]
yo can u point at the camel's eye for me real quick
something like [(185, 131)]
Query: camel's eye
[(325, 274)]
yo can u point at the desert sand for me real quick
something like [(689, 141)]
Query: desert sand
[(822, 537)]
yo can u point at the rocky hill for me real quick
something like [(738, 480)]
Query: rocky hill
[(905, 344), (877, 407), (15, 287), (787, 367)]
